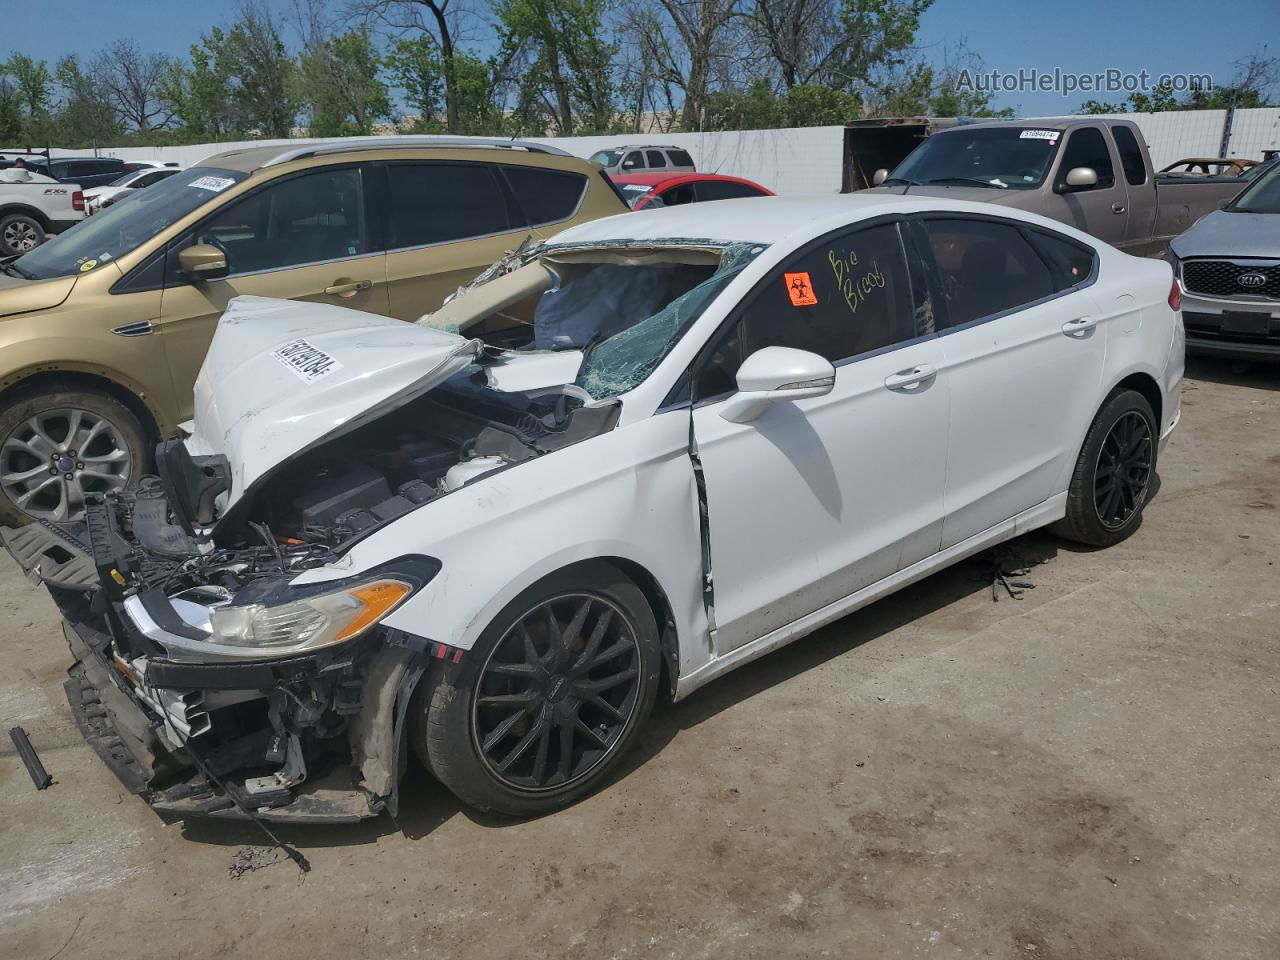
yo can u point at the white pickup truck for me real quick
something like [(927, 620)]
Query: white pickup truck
[(32, 207)]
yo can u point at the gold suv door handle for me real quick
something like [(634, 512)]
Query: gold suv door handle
[(343, 287)]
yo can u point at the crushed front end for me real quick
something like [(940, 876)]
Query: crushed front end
[(210, 682)]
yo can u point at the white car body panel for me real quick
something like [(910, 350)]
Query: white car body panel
[(259, 409), (802, 529)]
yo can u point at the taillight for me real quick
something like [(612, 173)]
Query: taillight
[(77, 201), (1175, 296)]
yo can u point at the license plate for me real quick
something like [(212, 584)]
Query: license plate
[(1255, 323)]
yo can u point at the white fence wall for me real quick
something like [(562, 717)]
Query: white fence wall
[(808, 159)]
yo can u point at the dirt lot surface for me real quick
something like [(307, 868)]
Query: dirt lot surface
[(1092, 771)]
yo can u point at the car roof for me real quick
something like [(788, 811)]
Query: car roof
[(250, 159), (775, 219), (658, 179)]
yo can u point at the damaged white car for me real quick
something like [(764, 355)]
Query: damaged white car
[(630, 459)]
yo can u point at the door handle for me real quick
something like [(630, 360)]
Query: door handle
[(909, 378), (1079, 325), (342, 287), (1117, 208)]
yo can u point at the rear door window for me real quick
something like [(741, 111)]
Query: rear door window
[(725, 190), (1135, 168), (1086, 147), (1070, 263), (545, 196), (655, 159), (985, 268), (443, 202)]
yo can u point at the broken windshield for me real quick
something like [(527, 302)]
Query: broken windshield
[(623, 360)]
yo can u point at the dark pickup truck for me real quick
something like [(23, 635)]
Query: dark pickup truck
[(1090, 173)]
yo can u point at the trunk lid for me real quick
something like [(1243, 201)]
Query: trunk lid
[(282, 376)]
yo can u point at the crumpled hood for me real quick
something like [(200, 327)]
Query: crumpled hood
[(282, 375), (1224, 233), (24, 296)]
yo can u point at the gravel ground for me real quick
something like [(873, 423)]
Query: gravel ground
[(1088, 772)]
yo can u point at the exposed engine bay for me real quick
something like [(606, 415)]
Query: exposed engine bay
[(144, 585)]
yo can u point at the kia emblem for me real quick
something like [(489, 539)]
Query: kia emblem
[(1251, 279)]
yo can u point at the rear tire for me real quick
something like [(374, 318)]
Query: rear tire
[(19, 234), (59, 443), (528, 723), (1113, 475)]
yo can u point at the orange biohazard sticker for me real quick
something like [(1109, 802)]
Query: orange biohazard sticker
[(800, 289)]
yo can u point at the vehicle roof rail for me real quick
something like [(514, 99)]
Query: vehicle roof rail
[(392, 143)]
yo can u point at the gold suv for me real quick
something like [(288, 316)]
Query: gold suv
[(103, 329)]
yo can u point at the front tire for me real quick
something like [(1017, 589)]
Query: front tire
[(1113, 474), (553, 694)]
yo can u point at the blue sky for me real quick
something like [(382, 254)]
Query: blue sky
[(1082, 36)]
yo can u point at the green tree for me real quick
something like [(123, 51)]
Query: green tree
[(10, 109), (34, 85), (263, 93), (1100, 106), (343, 86), (565, 63), (85, 117)]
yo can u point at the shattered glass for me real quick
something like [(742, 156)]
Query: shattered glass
[(623, 361)]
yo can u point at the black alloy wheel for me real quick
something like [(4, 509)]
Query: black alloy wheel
[(540, 710), (556, 693), (1114, 474), (1123, 471)]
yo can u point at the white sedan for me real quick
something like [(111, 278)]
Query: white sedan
[(98, 198), (631, 459)]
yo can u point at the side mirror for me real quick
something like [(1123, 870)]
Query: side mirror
[(879, 177), (203, 261), (774, 374), (1080, 178)]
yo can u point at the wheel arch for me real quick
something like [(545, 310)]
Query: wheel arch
[(34, 212), (1147, 385), (14, 387), (654, 593)]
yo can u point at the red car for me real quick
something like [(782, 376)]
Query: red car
[(641, 190)]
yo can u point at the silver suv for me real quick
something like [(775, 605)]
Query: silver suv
[(644, 158)]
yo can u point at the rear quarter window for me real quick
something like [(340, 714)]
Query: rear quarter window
[(546, 196), (680, 158), (1070, 263)]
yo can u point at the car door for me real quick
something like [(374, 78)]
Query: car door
[(1101, 209), (1023, 353), (448, 221), (818, 498), (300, 237), (1140, 219)]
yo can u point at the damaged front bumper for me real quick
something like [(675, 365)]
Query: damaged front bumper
[(318, 738)]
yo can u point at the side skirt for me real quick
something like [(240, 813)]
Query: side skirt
[(1038, 516)]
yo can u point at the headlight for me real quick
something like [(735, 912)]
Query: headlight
[(309, 622)]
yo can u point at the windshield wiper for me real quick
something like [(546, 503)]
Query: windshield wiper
[(890, 181), (973, 180)]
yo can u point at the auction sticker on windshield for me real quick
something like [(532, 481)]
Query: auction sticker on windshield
[(214, 184), (308, 363), (1049, 135)]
